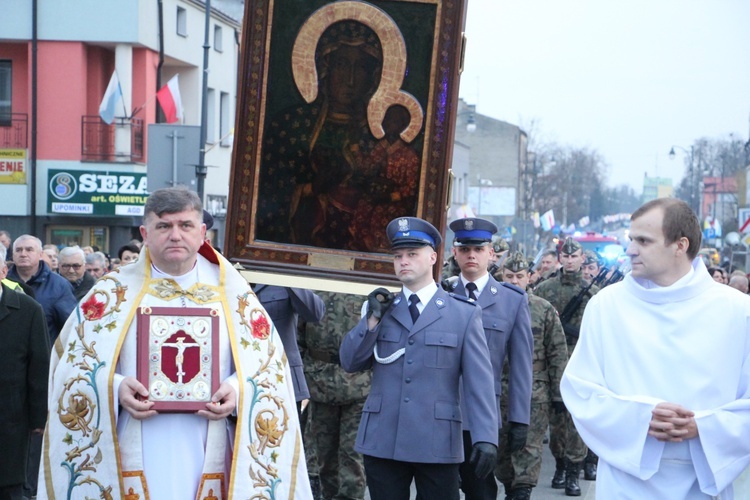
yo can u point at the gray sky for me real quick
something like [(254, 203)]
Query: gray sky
[(627, 78)]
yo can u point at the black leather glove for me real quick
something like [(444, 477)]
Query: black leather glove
[(378, 302), (483, 458), (517, 436), (558, 407)]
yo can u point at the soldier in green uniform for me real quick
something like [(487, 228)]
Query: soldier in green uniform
[(566, 445), (592, 264), (336, 398), (519, 471)]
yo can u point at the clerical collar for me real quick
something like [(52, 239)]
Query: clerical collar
[(677, 284), (480, 283), (424, 294)]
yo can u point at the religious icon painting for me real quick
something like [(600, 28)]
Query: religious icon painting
[(345, 121), (178, 356)]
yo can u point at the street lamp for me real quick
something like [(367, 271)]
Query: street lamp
[(691, 170)]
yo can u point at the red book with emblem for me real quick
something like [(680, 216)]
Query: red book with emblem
[(178, 356)]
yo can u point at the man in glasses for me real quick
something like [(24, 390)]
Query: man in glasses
[(73, 268)]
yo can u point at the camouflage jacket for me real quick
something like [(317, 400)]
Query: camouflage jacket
[(560, 290), (319, 344), (550, 352)]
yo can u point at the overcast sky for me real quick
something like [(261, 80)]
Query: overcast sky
[(626, 78)]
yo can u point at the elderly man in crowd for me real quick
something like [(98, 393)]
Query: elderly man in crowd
[(96, 264), (73, 269)]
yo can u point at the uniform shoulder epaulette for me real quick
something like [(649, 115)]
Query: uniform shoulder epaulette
[(513, 287), (462, 298)]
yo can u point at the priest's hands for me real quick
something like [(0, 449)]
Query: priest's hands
[(222, 404), (128, 393), (671, 422)]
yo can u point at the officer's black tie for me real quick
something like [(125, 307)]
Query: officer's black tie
[(413, 301), (472, 287)]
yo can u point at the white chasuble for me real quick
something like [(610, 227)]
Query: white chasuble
[(91, 451), (641, 345)]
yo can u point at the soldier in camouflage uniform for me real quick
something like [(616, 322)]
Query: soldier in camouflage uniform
[(566, 445), (336, 398), (519, 471), (592, 264)]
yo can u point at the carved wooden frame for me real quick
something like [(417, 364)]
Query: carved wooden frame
[(262, 22)]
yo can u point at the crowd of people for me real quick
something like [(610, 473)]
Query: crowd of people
[(452, 386)]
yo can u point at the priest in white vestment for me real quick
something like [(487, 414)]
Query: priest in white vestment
[(659, 384), (92, 450)]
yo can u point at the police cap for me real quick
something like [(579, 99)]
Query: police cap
[(516, 263), (412, 232), (570, 246), (472, 231)]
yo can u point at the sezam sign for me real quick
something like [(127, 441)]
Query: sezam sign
[(96, 193)]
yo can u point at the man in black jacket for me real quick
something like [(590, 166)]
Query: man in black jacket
[(23, 382)]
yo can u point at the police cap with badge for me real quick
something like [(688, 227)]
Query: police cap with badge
[(412, 232), (472, 232), (570, 246)]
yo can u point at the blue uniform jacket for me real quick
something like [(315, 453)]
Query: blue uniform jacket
[(507, 326), (285, 306), (412, 413)]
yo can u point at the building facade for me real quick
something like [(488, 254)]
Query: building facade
[(66, 175)]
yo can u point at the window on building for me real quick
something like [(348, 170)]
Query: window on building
[(218, 40), (224, 122), (6, 86), (181, 21), (211, 116)]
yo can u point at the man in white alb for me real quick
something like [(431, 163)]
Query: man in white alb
[(658, 387)]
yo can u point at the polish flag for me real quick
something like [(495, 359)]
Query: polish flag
[(170, 100)]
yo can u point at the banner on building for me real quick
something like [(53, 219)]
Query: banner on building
[(13, 166), (79, 192)]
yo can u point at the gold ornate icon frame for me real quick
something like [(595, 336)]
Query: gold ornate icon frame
[(421, 44)]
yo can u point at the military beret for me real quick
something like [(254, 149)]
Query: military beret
[(516, 262), (591, 257), (472, 231), (412, 232), (570, 246)]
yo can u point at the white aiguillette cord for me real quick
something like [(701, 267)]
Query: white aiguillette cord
[(388, 359)]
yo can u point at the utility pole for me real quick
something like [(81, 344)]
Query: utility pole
[(201, 170)]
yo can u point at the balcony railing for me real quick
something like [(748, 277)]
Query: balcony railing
[(14, 131), (98, 139)]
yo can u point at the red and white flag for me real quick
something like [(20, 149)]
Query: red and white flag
[(548, 220), (170, 100)]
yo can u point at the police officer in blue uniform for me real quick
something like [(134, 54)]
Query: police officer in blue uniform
[(507, 326), (418, 344), (286, 306)]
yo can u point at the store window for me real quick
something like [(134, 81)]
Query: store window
[(68, 236)]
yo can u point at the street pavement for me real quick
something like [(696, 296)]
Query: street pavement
[(543, 491)]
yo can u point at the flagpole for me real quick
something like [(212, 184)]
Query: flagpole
[(122, 96), (139, 108)]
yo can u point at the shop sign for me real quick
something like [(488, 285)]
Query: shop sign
[(96, 193), (13, 165)]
